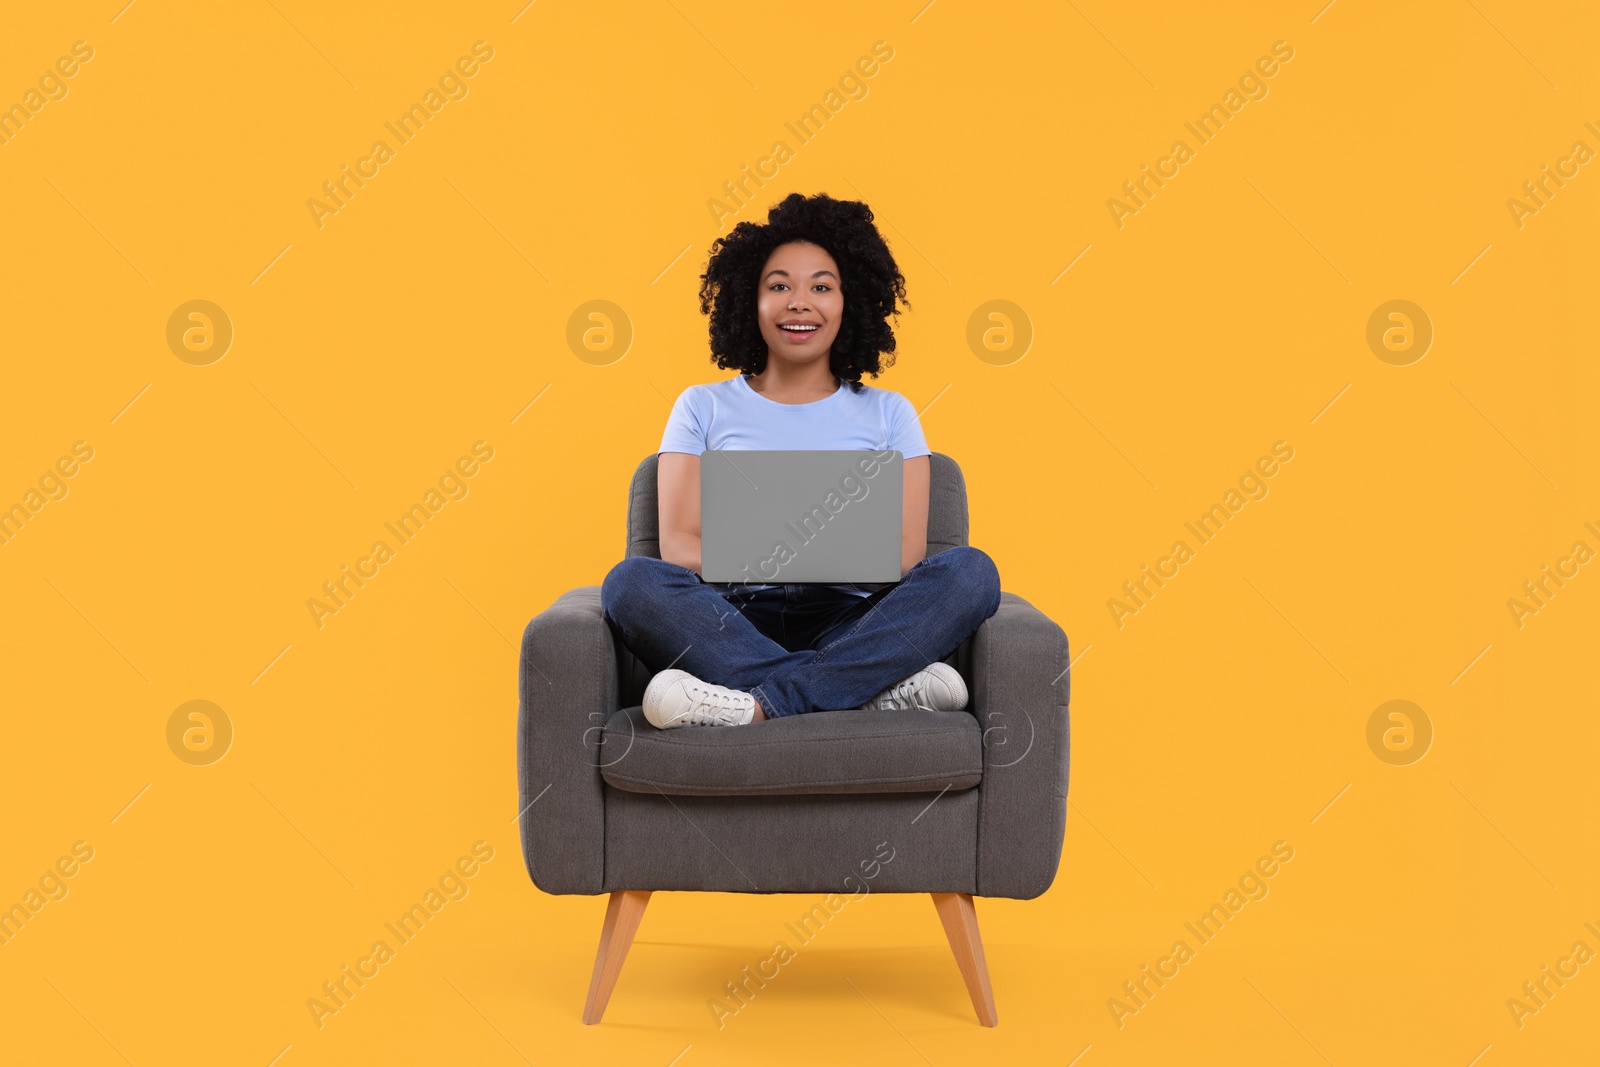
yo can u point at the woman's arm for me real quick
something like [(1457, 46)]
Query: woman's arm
[(914, 513), (678, 501)]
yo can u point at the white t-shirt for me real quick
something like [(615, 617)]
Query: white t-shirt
[(731, 415)]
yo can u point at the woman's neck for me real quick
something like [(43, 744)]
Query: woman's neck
[(790, 384)]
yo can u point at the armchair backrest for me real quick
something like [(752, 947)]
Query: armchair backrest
[(947, 507)]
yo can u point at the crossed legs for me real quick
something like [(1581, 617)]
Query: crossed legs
[(670, 617)]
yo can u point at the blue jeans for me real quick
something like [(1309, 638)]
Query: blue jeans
[(800, 648)]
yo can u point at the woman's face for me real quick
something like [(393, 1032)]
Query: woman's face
[(799, 303)]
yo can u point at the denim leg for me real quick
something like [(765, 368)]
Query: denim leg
[(671, 617), (923, 618)]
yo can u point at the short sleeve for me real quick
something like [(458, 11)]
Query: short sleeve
[(685, 430), (905, 429)]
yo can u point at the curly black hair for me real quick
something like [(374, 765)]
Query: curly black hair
[(869, 278)]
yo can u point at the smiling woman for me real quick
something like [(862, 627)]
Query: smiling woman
[(800, 306)]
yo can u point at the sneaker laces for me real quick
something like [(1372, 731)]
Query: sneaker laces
[(906, 692), (714, 703)]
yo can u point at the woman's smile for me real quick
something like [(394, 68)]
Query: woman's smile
[(800, 331)]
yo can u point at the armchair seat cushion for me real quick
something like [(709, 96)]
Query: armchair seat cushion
[(854, 751)]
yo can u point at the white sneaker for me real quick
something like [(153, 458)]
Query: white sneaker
[(936, 687), (678, 698)]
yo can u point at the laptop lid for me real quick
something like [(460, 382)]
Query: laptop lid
[(795, 516)]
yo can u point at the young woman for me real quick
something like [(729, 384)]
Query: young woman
[(800, 307)]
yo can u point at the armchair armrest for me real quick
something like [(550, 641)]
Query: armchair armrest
[(1020, 695), (567, 686)]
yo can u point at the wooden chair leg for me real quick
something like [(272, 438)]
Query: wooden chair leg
[(623, 912), (960, 920)]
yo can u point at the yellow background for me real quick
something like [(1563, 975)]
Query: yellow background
[(369, 354)]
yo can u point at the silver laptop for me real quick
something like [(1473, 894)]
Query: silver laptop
[(796, 516)]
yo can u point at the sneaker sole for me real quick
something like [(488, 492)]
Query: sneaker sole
[(655, 692), (953, 680)]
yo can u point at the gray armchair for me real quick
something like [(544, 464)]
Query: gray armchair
[(969, 803)]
